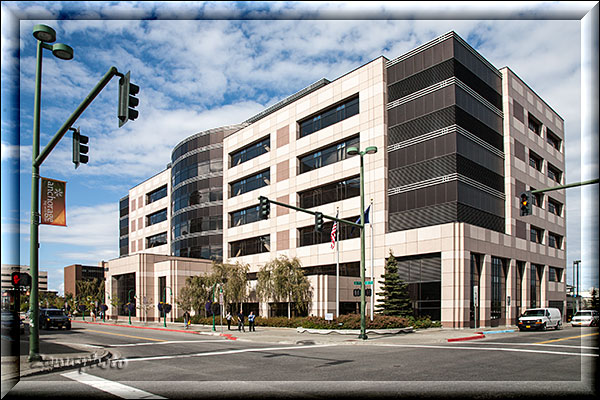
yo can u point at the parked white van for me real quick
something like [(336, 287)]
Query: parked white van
[(540, 318)]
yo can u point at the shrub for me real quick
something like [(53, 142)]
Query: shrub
[(347, 321)]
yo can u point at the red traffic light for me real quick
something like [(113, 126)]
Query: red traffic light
[(20, 279)]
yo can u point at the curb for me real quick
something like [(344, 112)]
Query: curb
[(54, 364), (225, 335), (356, 331), (479, 336)]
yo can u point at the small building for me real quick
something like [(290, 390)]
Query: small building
[(147, 279)]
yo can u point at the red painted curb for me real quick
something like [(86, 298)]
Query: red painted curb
[(466, 338), (227, 336)]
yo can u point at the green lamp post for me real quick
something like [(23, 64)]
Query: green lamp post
[(351, 152), (44, 35)]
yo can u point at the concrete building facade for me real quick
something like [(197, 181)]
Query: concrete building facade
[(458, 140)]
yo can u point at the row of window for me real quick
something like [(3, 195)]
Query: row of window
[(554, 207), (537, 162), (534, 125), (321, 120), (537, 235), (317, 159), (307, 236), (314, 197)]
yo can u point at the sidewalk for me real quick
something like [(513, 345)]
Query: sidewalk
[(275, 335)]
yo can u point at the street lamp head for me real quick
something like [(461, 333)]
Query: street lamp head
[(62, 51), (371, 150), (352, 151), (44, 33)]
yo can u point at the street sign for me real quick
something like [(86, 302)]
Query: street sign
[(357, 282), (368, 282), (328, 316)]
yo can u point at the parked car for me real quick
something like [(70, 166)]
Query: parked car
[(540, 319), (586, 318), (53, 317)]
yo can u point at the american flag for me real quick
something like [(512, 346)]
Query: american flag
[(333, 232)]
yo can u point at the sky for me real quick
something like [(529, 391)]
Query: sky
[(201, 65)]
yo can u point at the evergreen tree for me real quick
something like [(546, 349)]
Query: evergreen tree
[(396, 301), (595, 299)]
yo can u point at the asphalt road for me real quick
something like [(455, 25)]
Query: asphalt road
[(158, 364)]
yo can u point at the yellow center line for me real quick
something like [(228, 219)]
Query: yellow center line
[(567, 338), (129, 336)]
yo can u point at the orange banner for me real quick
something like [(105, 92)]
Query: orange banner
[(54, 210)]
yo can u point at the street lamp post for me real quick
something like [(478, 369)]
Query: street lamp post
[(354, 151), (44, 35)]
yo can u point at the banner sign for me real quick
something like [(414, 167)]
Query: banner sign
[(53, 210)]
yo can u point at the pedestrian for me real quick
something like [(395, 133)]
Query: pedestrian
[(228, 318), (251, 322), (93, 314), (241, 321), (186, 319)]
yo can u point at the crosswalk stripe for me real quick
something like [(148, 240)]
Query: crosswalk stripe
[(114, 388)]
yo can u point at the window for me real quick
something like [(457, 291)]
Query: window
[(555, 274), (330, 193), (554, 173), (250, 183), (307, 235), (537, 199), (156, 240), (156, 194), (328, 117), (537, 234), (533, 286), (554, 240), (552, 139), (496, 306), (246, 247), (251, 151), (245, 216), (326, 156), (535, 161), (554, 207), (534, 125), (156, 217)]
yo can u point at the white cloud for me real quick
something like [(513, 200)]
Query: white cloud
[(9, 152)]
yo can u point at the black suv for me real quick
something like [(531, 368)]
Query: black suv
[(53, 317)]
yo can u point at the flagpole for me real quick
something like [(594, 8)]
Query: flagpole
[(372, 262), (337, 268)]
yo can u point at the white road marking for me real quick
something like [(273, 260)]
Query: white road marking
[(167, 342), (488, 349), (539, 344), (218, 353), (114, 388)]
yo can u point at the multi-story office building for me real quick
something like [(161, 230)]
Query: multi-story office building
[(458, 140), (79, 273)]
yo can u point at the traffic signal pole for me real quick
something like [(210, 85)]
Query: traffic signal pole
[(37, 160), (570, 185)]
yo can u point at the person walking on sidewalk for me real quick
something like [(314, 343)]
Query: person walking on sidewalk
[(241, 321), (186, 319), (251, 322), (228, 318)]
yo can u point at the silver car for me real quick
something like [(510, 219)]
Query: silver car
[(586, 318)]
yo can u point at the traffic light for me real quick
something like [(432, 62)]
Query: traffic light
[(127, 101), (525, 203), (20, 279), (319, 222), (265, 207), (80, 148)]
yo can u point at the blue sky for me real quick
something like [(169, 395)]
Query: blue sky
[(201, 65)]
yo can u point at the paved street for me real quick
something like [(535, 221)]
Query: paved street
[(284, 363)]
